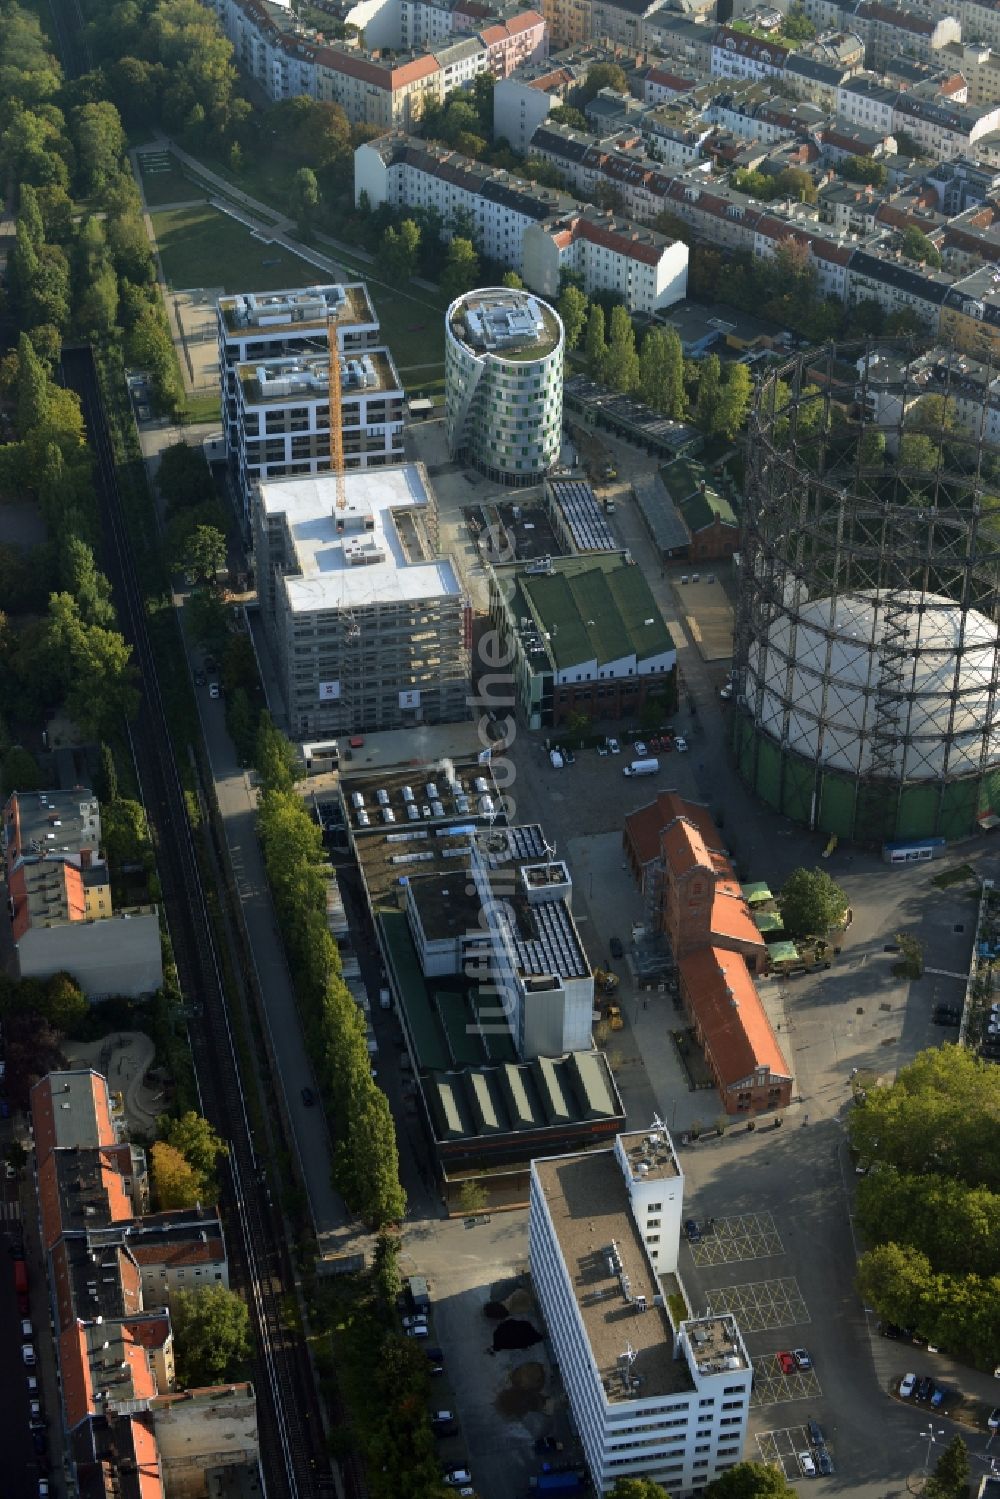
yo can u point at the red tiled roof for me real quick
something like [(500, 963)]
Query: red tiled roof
[(147, 1458), (74, 1365), (150, 1332), (646, 825), (623, 243), (684, 848), (731, 918), (180, 1252), (525, 21), (724, 1000)]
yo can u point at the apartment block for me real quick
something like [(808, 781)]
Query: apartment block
[(369, 623), (523, 101), (614, 22), (255, 328), (979, 66), (59, 898), (534, 230), (652, 1394), (891, 31), (112, 1268), (283, 416)]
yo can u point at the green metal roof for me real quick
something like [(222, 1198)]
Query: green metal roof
[(699, 510), (783, 952), (756, 892), (768, 921), (597, 615)]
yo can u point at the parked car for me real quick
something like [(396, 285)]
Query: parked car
[(925, 1387), (457, 1477), (640, 749), (786, 1361), (680, 745), (946, 1015), (442, 1415), (569, 757), (617, 951), (907, 1385), (939, 1395), (726, 692), (419, 1319), (815, 1432), (614, 748), (28, 1354), (418, 1330), (807, 1465), (556, 759), (308, 1097), (692, 1231), (213, 689), (824, 1462), (802, 1359), (993, 1419)]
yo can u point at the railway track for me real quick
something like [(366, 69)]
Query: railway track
[(292, 1447)]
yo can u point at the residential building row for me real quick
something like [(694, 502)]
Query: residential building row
[(63, 918), (112, 1268), (388, 87), (534, 230)]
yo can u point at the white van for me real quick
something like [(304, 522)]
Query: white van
[(642, 768)]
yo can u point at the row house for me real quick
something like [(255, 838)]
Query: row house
[(680, 40), (943, 129), (521, 103), (814, 79), (737, 55), (864, 101), (882, 275), (979, 66), (662, 83), (891, 31), (618, 22), (970, 314), (610, 251)]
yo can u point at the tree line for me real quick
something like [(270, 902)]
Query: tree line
[(929, 1206), (366, 1161)]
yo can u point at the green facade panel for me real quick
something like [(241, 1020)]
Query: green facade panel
[(798, 780), (917, 816), (837, 801)]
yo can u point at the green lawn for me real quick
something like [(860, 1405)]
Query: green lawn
[(166, 186), (201, 247)]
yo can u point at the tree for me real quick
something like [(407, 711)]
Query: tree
[(912, 950), (751, 1481), (621, 364), (709, 388), (461, 268), (211, 1334), (100, 144), (32, 388), (794, 183), (811, 903), (865, 169), (204, 554), (96, 667), (638, 1488), (472, 1198), (64, 1005), (734, 401), (950, 1479), (274, 758), (303, 195), (513, 280), (600, 75), (565, 114), (206, 615), (399, 251), (916, 246), (125, 834), (108, 780), (920, 453), (198, 1143), (796, 26), (572, 308), (596, 346), (81, 577), (385, 1268), (661, 372), (20, 771), (176, 1183), (183, 477)]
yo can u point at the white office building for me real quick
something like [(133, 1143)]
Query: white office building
[(283, 415), (650, 1396), (504, 383), (369, 623), (254, 327)]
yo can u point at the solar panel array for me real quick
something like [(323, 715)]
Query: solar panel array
[(583, 515)]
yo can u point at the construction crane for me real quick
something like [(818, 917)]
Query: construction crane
[(336, 416), (352, 629)]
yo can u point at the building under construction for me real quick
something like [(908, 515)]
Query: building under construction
[(370, 625), (866, 664)]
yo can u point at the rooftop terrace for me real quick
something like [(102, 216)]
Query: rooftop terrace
[(277, 381), (296, 310), (506, 324)]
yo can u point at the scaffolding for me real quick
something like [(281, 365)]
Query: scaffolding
[(865, 656)]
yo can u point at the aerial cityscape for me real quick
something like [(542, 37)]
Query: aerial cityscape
[(500, 748)]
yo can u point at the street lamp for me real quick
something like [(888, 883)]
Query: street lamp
[(932, 1437)]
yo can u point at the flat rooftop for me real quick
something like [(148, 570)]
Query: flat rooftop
[(650, 1154), (506, 323), (306, 377), (376, 558), (51, 822), (296, 310), (588, 1202)]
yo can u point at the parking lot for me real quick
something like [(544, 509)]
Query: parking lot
[(748, 1236), (761, 1304), (782, 1448), (772, 1387)]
